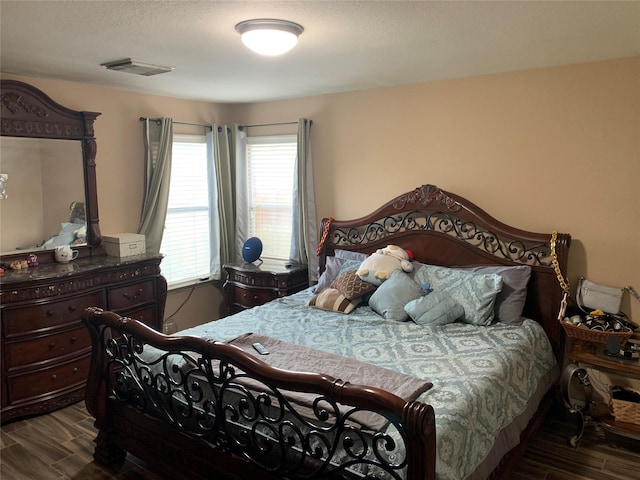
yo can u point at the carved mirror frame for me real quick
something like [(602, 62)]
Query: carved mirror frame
[(28, 112)]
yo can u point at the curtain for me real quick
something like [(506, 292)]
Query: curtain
[(215, 265), (304, 235), (223, 151), (239, 135), (158, 141)]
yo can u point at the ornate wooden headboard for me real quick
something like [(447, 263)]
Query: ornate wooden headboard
[(442, 228)]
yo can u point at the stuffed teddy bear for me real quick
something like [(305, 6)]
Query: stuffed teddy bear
[(378, 266)]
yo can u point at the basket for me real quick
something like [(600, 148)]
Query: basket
[(628, 412), (596, 336)]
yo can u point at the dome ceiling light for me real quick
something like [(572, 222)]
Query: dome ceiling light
[(268, 36)]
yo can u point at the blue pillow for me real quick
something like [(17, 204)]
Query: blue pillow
[(511, 299), (476, 292), (393, 294), (436, 308), (349, 255)]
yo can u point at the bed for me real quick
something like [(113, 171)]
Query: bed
[(359, 394)]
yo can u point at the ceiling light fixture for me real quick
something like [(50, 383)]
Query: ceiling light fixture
[(130, 65), (268, 36)]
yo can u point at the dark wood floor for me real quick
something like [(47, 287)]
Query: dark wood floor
[(60, 446)]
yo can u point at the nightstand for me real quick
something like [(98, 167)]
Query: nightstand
[(580, 356), (249, 285)]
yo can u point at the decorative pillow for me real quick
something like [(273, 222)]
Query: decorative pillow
[(351, 286), (476, 292), (333, 269), (331, 299), (393, 294), (511, 299), (436, 308)]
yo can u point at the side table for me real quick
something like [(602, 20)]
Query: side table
[(249, 285), (580, 356)]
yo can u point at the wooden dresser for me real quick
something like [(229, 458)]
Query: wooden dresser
[(45, 347)]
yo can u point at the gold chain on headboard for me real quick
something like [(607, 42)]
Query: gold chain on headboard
[(564, 284)]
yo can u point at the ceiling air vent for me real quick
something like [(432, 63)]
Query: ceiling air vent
[(130, 65)]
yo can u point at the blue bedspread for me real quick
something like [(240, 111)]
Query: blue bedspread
[(482, 376)]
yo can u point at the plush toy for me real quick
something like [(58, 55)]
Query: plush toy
[(377, 267)]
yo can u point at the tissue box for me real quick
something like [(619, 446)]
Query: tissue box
[(124, 244)]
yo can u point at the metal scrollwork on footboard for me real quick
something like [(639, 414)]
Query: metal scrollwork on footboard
[(283, 432)]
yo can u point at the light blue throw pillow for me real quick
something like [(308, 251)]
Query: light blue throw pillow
[(393, 294), (511, 299), (350, 255), (474, 291), (436, 308)]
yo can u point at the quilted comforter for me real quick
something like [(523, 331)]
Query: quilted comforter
[(487, 380)]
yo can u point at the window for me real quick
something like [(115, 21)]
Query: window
[(270, 171), (186, 238)]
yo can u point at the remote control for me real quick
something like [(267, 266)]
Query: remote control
[(260, 349)]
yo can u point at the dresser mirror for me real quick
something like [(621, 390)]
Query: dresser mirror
[(47, 176)]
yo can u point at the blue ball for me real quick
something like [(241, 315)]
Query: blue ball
[(252, 249)]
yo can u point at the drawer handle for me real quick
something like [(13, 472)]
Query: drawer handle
[(50, 313), (73, 339), (75, 370), (52, 345), (132, 297), (53, 377), (72, 308)]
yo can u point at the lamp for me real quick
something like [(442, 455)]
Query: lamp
[(268, 36)]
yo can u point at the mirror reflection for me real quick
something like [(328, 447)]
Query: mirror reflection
[(44, 197)]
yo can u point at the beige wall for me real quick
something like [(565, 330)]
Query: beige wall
[(548, 149)]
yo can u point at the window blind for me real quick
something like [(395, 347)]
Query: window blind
[(186, 238), (270, 170)]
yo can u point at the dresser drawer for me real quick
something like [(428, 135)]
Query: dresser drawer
[(131, 295), (252, 297), (48, 380), (146, 315), (29, 319), (34, 350)]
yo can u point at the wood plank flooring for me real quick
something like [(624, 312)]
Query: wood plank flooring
[(59, 446)]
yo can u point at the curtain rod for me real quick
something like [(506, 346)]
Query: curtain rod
[(157, 120), (271, 124), (244, 126)]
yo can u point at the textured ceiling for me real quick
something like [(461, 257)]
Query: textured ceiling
[(347, 45)]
